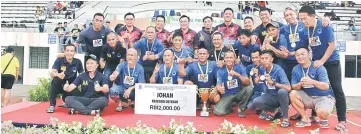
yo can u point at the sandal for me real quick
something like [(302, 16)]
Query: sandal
[(285, 124), (323, 124), (278, 115), (302, 124), (342, 127)]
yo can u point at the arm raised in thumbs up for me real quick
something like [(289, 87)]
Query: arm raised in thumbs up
[(113, 76)]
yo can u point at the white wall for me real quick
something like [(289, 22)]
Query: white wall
[(350, 85)]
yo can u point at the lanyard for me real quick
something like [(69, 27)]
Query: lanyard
[(151, 48), (180, 55), (129, 71), (313, 32), (269, 71), (199, 66), (165, 70), (294, 32), (308, 69), (219, 55), (229, 70)]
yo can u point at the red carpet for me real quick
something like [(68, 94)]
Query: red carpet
[(36, 115)]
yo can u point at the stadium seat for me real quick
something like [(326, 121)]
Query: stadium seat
[(164, 13), (172, 13), (156, 13), (222, 14)]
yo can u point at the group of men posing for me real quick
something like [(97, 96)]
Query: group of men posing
[(264, 68)]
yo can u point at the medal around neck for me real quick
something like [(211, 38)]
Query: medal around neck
[(262, 78), (229, 78), (251, 73), (293, 45)]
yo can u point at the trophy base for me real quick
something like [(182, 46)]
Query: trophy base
[(204, 113)]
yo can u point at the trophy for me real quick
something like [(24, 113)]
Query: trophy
[(204, 94)]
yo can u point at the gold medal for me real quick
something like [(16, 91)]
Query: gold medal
[(229, 78), (293, 44), (262, 78), (251, 73)]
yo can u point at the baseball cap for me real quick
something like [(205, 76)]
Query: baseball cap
[(273, 24), (9, 50)]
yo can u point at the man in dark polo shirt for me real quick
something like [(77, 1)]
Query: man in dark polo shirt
[(261, 31), (229, 30), (160, 32), (94, 85), (64, 71), (129, 33)]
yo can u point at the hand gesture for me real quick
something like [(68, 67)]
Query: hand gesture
[(238, 60), (156, 68), (306, 81), (285, 51), (145, 57), (233, 73), (60, 55), (221, 89), (318, 63), (126, 35), (253, 39), (65, 87), (113, 76), (61, 75), (189, 59), (220, 63), (182, 61)]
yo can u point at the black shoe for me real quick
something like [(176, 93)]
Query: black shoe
[(64, 106), (132, 106), (71, 111), (97, 112), (51, 109), (295, 117), (277, 116), (258, 111)]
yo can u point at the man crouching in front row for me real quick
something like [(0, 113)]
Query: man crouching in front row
[(234, 85), (94, 86)]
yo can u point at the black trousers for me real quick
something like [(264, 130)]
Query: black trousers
[(288, 66), (85, 105), (57, 88), (148, 72), (334, 75)]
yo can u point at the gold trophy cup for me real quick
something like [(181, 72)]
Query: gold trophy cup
[(204, 94)]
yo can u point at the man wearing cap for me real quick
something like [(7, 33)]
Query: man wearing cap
[(245, 47), (161, 33), (167, 73), (203, 38), (233, 84), (93, 37), (322, 42), (278, 86), (94, 85), (64, 71), (311, 89), (275, 42), (9, 74), (150, 49), (229, 29), (130, 72)]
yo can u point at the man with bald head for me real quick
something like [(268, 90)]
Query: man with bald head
[(167, 73), (130, 72)]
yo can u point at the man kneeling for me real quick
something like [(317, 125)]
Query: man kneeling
[(94, 85), (310, 89), (233, 84)]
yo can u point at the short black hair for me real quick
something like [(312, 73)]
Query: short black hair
[(264, 9), (166, 49), (255, 51), (270, 52), (67, 45), (107, 21), (9, 50), (185, 16), (307, 9), (217, 33), (65, 22), (228, 8), (98, 14), (208, 17), (59, 23), (109, 34), (302, 47), (160, 16), (177, 34), (248, 17), (129, 13), (245, 32)]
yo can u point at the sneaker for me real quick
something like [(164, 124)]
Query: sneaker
[(71, 111), (119, 108), (241, 114), (97, 112), (51, 109), (258, 111)]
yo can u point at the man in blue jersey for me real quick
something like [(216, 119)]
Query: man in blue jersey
[(203, 71), (150, 49), (245, 47), (233, 84), (168, 72), (322, 42), (94, 86), (93, 37), (278, 86), (180, 51), (311, 89), (129, 72)]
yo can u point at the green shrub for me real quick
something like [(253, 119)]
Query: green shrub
[(40, 92)]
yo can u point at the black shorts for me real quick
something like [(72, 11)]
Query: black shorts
[(7, 81)]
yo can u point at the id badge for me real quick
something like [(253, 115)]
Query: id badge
[(149, 53), (246, 58), (203, 78), (270, 86), (314, 41), (232, 84), (98, 43), (129, 80), (294, 38), (167, 80)]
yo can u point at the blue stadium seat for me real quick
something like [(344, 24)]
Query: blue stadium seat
[(164, 13), (156, 13), (172, 13), (222, 14)]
